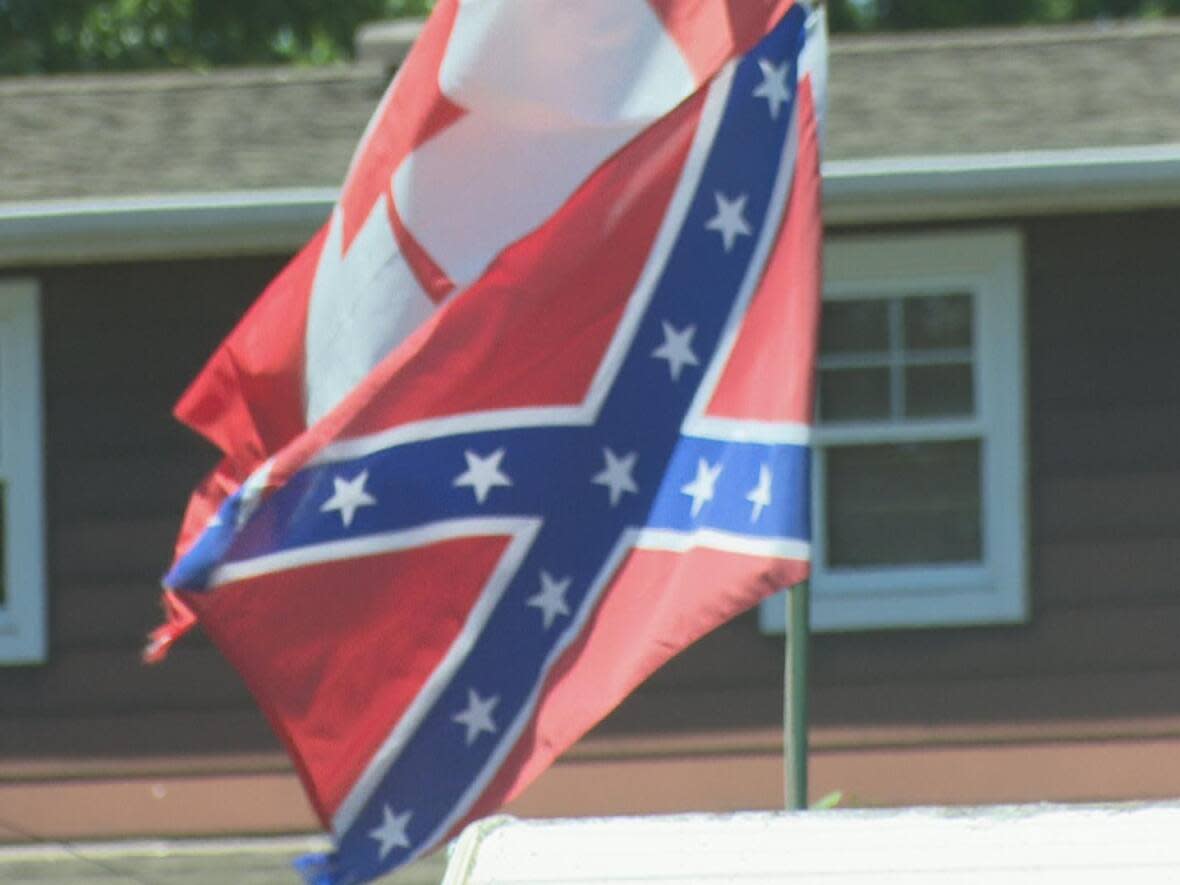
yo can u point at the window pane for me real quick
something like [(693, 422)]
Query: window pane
[(853, 394), (854, 327), (912, 503), (937, 322), (933, 391), (3, 552)]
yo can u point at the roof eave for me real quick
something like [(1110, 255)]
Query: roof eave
[(995, 185), (856, 192), (161, 226)]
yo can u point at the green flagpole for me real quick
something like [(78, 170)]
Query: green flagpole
[(795, 678), (795, 696)]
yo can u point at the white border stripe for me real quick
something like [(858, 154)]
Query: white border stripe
[(792, 433), (371, 545), (714, 539), (451, 425)]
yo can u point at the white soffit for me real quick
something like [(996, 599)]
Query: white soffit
[(872, 191)]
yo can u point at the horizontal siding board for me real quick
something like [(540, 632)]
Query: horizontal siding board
[(734, 654), (1057, 641), (134, 550), (656, 708), (1026, 697), (962, 704), (101, 744), (1102, 312), (188, 743), (87, 683), (1099, 441), (1108, 507), (1023, 698), (96, 615), (148, 324), (120, 423), (881, 735), (145, 485), (98, 683), (1117, 572)]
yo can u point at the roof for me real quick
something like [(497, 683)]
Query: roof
[(1082, 86), (951, 125), (925, 94), (134, 134)]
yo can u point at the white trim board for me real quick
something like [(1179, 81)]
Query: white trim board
[(161, 226), (995, 185), (867, 191), (23, 623)]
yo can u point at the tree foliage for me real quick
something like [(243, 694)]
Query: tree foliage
[(904, 15), (48, 36)]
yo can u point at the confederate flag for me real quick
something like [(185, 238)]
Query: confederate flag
[(530, 413)]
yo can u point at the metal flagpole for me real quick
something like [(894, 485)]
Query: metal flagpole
[(795, 696), (795, 679)]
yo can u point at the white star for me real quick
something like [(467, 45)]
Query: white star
[(483, 473), (477, 718), (702, 486), (392, 832), (774, 85), (616, 475), (729, 221), (677, 349), (348, 497), (551, 599), (759, 496)]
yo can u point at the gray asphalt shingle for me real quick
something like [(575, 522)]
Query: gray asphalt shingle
[(924, 94), (180, 132), (1046, 88)]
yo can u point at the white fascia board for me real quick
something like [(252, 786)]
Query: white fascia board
[(872, 191), (165, 226), (1000, 185)]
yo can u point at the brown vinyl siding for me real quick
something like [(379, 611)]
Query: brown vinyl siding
[(1103, 327), (1095, 672), (121, 343)]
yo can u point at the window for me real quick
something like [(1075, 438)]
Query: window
[(22, 544), (919, 461)]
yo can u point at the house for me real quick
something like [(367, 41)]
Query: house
[(997, 598)]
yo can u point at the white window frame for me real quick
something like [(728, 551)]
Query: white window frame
[(989, 264), (23, 637)]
